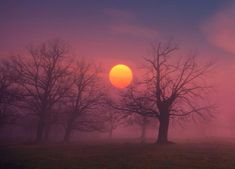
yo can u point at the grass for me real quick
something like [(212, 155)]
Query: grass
[(210, 155)]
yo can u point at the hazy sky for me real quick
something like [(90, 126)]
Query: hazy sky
[(118, 31), (115, 28)]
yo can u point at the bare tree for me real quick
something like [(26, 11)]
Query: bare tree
[(8, 94), (174, 87), (118, 115), (143, 122), (114, 119), (85, 99), (43, 79)]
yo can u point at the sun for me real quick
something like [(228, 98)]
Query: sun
[(120, 76)]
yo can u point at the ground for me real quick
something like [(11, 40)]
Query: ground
[(183, 155)]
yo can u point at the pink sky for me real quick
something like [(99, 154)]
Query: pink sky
[(122, 36)]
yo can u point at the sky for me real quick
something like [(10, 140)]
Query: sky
[(119, 31)]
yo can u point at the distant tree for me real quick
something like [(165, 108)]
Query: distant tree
[(84, 100), (117, 116), (43, 79), (144, 122), (8, 95), (173, 87), (115, 119)]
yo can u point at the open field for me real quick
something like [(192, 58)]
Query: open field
[(204, 155)]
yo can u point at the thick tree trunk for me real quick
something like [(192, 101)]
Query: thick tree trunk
[(163, 128)]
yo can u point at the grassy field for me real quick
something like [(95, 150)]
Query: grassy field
[(210, 155)]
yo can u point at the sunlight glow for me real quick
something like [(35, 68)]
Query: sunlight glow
[(120, 76)]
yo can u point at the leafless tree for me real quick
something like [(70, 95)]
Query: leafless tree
[(115, 119), (173, 87), (143, 122), (121, 116), (8, 94), (43, 77), (85, 99)]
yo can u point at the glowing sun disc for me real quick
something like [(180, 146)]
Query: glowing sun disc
[(120, 76)]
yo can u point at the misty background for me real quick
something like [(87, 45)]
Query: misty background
[(110, 32)]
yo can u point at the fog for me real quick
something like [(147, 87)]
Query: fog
[(20, 119)]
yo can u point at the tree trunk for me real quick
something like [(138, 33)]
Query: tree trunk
[(143, 133), (68, 130), (40, 130), (47, 132), (163, 128), (111, 133), (143, 129), (67, 134)]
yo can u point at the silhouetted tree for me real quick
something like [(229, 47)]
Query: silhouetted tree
[(117, 116), (85, 98), (173, 87), (114, 119), (8, 95), (143, 122), (43, 78)]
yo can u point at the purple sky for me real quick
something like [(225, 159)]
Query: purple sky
[(118, 31)]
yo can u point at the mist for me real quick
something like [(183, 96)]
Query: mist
[(170, 104)]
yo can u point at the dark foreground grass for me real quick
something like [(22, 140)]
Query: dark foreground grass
[(119, 156)]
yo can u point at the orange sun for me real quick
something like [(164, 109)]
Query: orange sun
[(120, 76)]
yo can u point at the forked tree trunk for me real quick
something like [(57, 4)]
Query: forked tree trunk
[(163, 128)]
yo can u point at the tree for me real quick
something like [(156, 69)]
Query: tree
[(43, 79), (174, 87), (114, 119), (8, 95), (144, 122), (85, 99), (119, 115)]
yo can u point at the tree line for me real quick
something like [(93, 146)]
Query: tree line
[(45, 89)]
